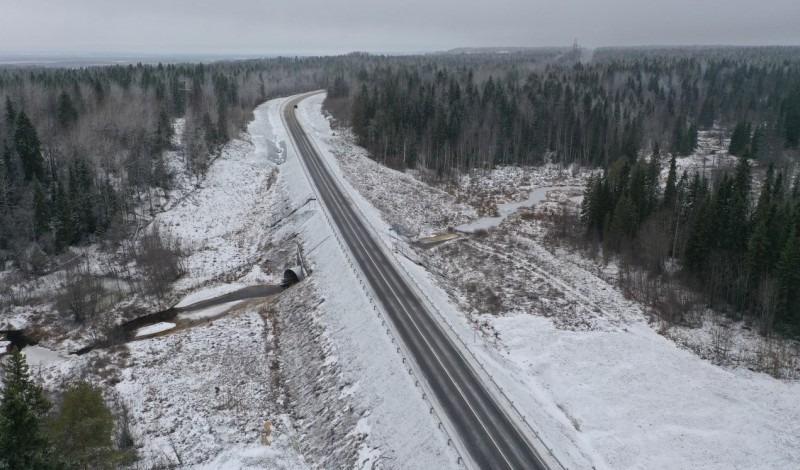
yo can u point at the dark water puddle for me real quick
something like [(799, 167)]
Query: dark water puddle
[(250, 292), (126, 332)]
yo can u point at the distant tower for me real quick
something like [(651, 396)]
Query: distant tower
[(576, 52)]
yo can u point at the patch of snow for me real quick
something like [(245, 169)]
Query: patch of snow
[(200, 396), (258, 457), (154, 329), (14, 321), (368, 457), (508, 208), (256, 276), (37, 355), (642, 402)]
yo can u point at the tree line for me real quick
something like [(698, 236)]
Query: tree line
[(743, 255), (625, 111), (451, 114), (83, 149)]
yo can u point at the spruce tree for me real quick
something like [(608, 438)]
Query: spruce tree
[(623, 223), (698, 245), (9, 163), (593, 206), (790, 114), (64, 223), (222, 122), (11, 113), (670, 189), (691, 138), (638, 193), (739, 229), (22, 442), (765, 198), (707, 114), (28, 147), (80, 196), (757, 259), (740, 139), (757, 142), (65, 110), (787, 313), (41, 212), (361, 113), (164, 131)]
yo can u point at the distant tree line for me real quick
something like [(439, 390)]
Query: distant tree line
[(455, 113)]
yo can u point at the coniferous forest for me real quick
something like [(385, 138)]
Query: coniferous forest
[(456, 113), (731, 236), (82, 149)]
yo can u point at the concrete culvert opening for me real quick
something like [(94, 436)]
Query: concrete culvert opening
[(293, 275)]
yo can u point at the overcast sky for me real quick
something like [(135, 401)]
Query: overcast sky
[(326, 27)]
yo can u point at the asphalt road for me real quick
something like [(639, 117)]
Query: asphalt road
[(483, 427)]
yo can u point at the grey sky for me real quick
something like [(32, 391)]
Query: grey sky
[(323, 27)]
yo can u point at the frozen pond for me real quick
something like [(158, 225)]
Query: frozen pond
[(534, 197)]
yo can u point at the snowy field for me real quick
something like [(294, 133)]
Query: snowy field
[(599, 383), (199, 397), (578, 360), (314, 360)]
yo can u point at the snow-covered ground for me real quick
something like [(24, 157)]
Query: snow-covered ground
[(711, 153), (506, 209), (226, 223), (576, 358), (202, 395), (314, 360), (602, 387), (413, 208)]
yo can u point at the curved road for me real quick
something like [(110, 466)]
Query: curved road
[(485, 431)]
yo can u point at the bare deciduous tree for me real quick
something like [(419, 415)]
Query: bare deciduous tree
[(159, 256), (81, 294)]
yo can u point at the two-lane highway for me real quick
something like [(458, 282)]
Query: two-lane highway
[(485, 431)]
